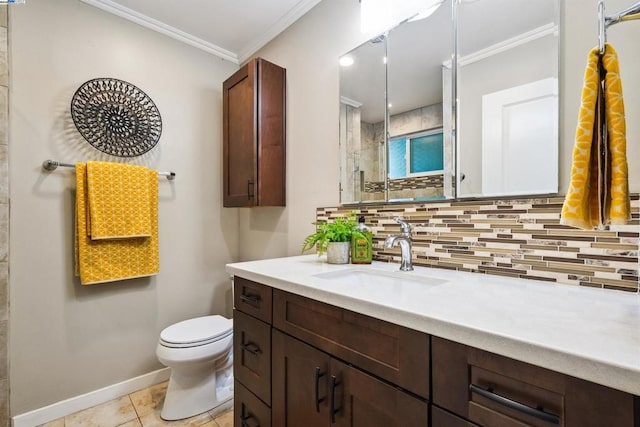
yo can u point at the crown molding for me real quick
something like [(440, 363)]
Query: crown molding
[(282, 24), (161, 27), (519, 40), (351, 102)]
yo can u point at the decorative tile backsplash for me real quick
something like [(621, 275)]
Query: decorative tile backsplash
[(408, 183), (509, 237)]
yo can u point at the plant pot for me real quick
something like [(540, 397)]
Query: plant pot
[(338, 252)]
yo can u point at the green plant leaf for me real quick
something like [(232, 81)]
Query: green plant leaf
[(341, 229)]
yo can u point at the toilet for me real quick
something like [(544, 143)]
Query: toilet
[(199, 353)]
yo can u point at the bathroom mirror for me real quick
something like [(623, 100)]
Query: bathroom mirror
[(363, 82), (506, 115), (507, 97), (419, 143)]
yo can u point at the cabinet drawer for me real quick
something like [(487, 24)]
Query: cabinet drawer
[(252, 354), (252, 298), (489, 390), (394, 353), (248, 410), (442, 418)]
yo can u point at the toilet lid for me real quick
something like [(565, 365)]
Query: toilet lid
[(197, 331)]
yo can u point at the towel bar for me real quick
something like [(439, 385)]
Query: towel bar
[(630, 13), (51, 165)]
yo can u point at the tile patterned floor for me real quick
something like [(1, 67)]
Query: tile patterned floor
[(139, 409)]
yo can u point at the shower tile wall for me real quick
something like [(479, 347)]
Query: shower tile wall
[(4, 220), (508, 237)]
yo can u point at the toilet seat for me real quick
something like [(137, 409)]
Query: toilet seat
[(196, 332)]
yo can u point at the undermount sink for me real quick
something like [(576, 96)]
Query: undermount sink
[(377, 277)]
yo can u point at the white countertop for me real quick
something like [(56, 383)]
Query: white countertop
[(593, 334)]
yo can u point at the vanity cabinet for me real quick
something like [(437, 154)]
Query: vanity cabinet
[(254, 135), (251, 353), (302, 362), (492, 390)]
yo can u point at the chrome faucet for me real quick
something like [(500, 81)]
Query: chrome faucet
[(404, 240)]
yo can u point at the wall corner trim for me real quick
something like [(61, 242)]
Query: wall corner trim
[(282, 24), (161, 27), (78, 403)]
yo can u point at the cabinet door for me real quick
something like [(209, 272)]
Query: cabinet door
[(248, 410), (357, 399), (300, 383), (271, 134), (252, 354), (239, 140)]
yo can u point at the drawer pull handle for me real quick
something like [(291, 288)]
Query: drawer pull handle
[(251, 348), (249, 189), (317, 377), (534, 412), (250, 299), (332, 406), (246, 418)]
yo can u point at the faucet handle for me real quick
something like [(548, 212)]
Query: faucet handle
[(405, 227)]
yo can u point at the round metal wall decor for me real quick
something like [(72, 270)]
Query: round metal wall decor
[(116, 117)]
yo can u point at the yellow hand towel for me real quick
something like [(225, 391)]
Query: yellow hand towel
[(107, 260), (119, 200), (598, 193)]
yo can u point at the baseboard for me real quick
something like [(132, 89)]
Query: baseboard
[(85, 401)]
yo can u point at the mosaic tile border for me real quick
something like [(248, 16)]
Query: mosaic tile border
[(509, 237), (411, 183)]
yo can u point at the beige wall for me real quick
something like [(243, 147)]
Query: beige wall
[(67, 339), (309, 50)]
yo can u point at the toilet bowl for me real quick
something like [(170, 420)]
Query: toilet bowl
[(199, 353)]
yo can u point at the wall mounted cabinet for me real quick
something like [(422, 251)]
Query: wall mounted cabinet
[(254, 135)]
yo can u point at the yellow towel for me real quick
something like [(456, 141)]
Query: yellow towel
[(107, 260), (119, 200), (599, 190)]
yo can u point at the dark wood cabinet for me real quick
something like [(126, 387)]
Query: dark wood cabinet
[(252, 298), (300, 383), (313, 389), (248, 410), (254, 135), (252, 353), (301, 362), (394, 353), (442, 418), (493, 390)]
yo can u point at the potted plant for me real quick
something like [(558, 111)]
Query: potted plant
[(333, 238)]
